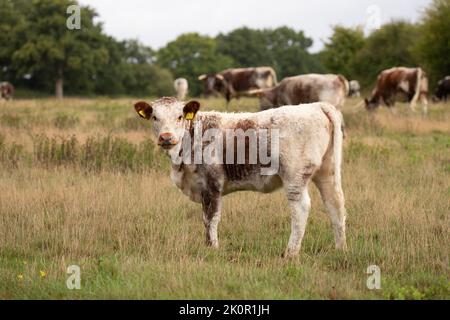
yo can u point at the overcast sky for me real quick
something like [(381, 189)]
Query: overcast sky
[(156, 22)]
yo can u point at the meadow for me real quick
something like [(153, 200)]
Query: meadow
[(82, 183)]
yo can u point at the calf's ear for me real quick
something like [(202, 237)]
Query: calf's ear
[(190, 109), (143, 109)]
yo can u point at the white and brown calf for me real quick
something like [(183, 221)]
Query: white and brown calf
[(308, 147)]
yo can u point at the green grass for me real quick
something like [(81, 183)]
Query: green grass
[(82, 183)]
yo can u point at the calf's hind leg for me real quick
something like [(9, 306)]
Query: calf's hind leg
[(333, 198), (424, 102), (300, 204)]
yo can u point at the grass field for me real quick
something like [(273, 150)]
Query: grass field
[(82, 184)]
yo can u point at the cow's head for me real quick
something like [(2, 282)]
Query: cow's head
[(370, 104), (214, 83), (439, 93), (267, 98), (169, 117)]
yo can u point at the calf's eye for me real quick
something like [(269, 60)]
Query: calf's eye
[(154, 118), (180, 118)]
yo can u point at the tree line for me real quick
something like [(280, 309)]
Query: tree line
[(40, 54)]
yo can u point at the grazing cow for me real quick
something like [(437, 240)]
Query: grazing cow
[(411, 83), (443, 89), (355, 88), (237, 82), (181, 88), (6, 90), (305, 145), (306, 88)]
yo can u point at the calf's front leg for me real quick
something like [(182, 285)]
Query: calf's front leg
[(211, 203)]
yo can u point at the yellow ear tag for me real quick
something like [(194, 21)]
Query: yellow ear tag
[(189, 116), (142, 113)]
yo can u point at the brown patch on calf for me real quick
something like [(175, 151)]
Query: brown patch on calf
[(166, 100), (308, 171), (304, 93), (246, 124), (240, 171)]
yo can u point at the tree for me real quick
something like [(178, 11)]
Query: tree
[(52, 52), (191, 55), (247, 47), (12, 20), (341, 49), (283, 48), (143, 76), (131, 70), (385, 48), (433, 46), (289, 52)]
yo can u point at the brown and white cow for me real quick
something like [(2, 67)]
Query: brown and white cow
[(293, 146), (233, 83), (409, 83), (6, 90), (306, 88)]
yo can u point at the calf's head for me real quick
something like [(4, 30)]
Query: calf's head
[(169, 118)]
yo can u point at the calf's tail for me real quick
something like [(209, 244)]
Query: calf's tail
[(336, 119)]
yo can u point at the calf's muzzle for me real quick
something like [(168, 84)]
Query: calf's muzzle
[(166, 140)]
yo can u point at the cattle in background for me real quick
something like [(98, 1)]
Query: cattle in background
[(308, 147), (233, 83), (443, 89), (6, 90), (410, 83), (181, 88), (306, 88), (355, 88)]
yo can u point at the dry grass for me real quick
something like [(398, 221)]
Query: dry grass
[(134, 235)]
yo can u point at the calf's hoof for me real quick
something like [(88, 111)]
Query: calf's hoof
[(290, 253), (212, 244), (341, 246)]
